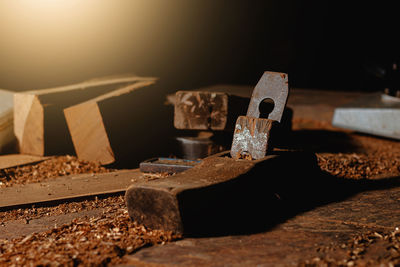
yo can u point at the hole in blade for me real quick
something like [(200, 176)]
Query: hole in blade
[(266, 107)]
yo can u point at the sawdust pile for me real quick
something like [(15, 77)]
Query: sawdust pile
[(368, 249), (360, 166), (374, 158), (51, 168), (347, 154), (96, 241)]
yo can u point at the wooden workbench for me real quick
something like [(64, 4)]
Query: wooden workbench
[(326, 217)]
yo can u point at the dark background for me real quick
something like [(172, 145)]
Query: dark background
[(321, 44)]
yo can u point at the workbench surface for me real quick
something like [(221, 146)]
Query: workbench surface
[(352, 220), (348, 226)]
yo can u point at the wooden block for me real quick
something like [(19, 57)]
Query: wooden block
[(7, 138), (217, 193), (87, 129), (125, 126), (39, 121), (202, 110), (218, 111), (215, 111)]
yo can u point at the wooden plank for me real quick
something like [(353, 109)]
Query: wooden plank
[(68, 187), (39, 121), (7, 138), (125, 126), (14, 160)]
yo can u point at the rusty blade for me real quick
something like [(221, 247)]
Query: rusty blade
[(272, 85), (250, 139)]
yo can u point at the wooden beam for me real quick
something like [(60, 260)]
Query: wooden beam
[(39, 121), (7, 138)]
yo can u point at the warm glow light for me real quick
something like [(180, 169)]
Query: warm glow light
[(55, 37), (44, 6), (56, 42)]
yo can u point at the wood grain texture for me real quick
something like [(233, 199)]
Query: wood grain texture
[(196, 110), (31, 135), (88, 134)]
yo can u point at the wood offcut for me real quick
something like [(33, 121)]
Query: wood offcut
[(86, 126), (39, 123)]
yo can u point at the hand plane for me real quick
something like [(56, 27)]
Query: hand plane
[(230, 189)]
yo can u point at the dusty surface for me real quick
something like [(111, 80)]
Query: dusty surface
[(356, 225), (347, 154), (333, 233), (330, 234), (48, 169), (383, 245), (23, 227), (114, 202), (358, 166), (89, 232), (101, 239)]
